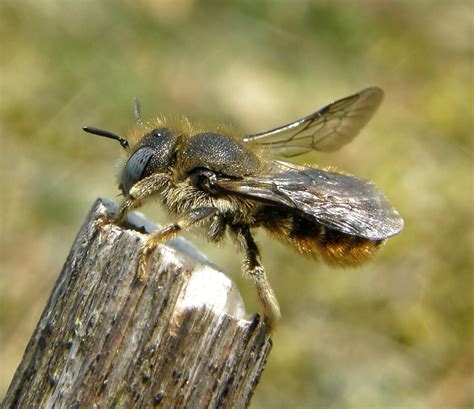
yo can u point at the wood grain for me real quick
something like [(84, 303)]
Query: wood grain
[(179, 339)]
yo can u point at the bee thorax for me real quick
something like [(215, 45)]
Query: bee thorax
[(219, 153)]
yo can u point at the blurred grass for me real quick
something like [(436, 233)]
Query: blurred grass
[(396, 333)]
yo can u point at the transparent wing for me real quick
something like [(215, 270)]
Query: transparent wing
[(344, 203), (325, 130)]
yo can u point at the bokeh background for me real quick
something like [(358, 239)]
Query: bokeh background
[(395, 333)]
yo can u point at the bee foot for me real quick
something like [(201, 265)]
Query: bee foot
[(142, 273), (143, 261), (104, 221), (101, 225), (269, 322)]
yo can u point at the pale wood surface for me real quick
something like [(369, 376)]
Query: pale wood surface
[(178, 339)]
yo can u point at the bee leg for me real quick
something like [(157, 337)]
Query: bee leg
[(127, 204), (189, 218), (139, 192), (253, 268)]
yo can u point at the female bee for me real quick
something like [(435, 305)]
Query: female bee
[(223, 182)]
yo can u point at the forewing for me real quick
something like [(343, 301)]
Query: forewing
[(325, 130), (344, 203)]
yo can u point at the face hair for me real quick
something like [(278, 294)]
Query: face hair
[(106, 134), (138, 111)]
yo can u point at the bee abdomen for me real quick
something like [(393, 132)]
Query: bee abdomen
[(310, 238)]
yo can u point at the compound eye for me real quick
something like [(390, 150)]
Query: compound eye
[(133, 171)]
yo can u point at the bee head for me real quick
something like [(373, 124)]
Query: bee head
[(153, 153)]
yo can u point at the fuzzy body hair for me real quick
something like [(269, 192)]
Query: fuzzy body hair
[(305, 235)]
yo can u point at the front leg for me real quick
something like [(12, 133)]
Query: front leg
[(254, 269), (139, 192), (188, 219)]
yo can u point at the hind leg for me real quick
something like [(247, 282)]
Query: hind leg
[(253, 268)]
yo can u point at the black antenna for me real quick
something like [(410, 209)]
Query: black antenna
[(107, 134), (138, 111)]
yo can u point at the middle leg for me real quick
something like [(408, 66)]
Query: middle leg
[(188, 219)]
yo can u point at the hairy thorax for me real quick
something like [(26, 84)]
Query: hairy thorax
[(180, 196)]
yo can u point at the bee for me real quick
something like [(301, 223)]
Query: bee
[(221, 181)]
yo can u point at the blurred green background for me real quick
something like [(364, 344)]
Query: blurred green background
[(395, 333)]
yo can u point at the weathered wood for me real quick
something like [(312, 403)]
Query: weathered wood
[(106, 339)]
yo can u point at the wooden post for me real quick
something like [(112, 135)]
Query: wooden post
[(105, 339)]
